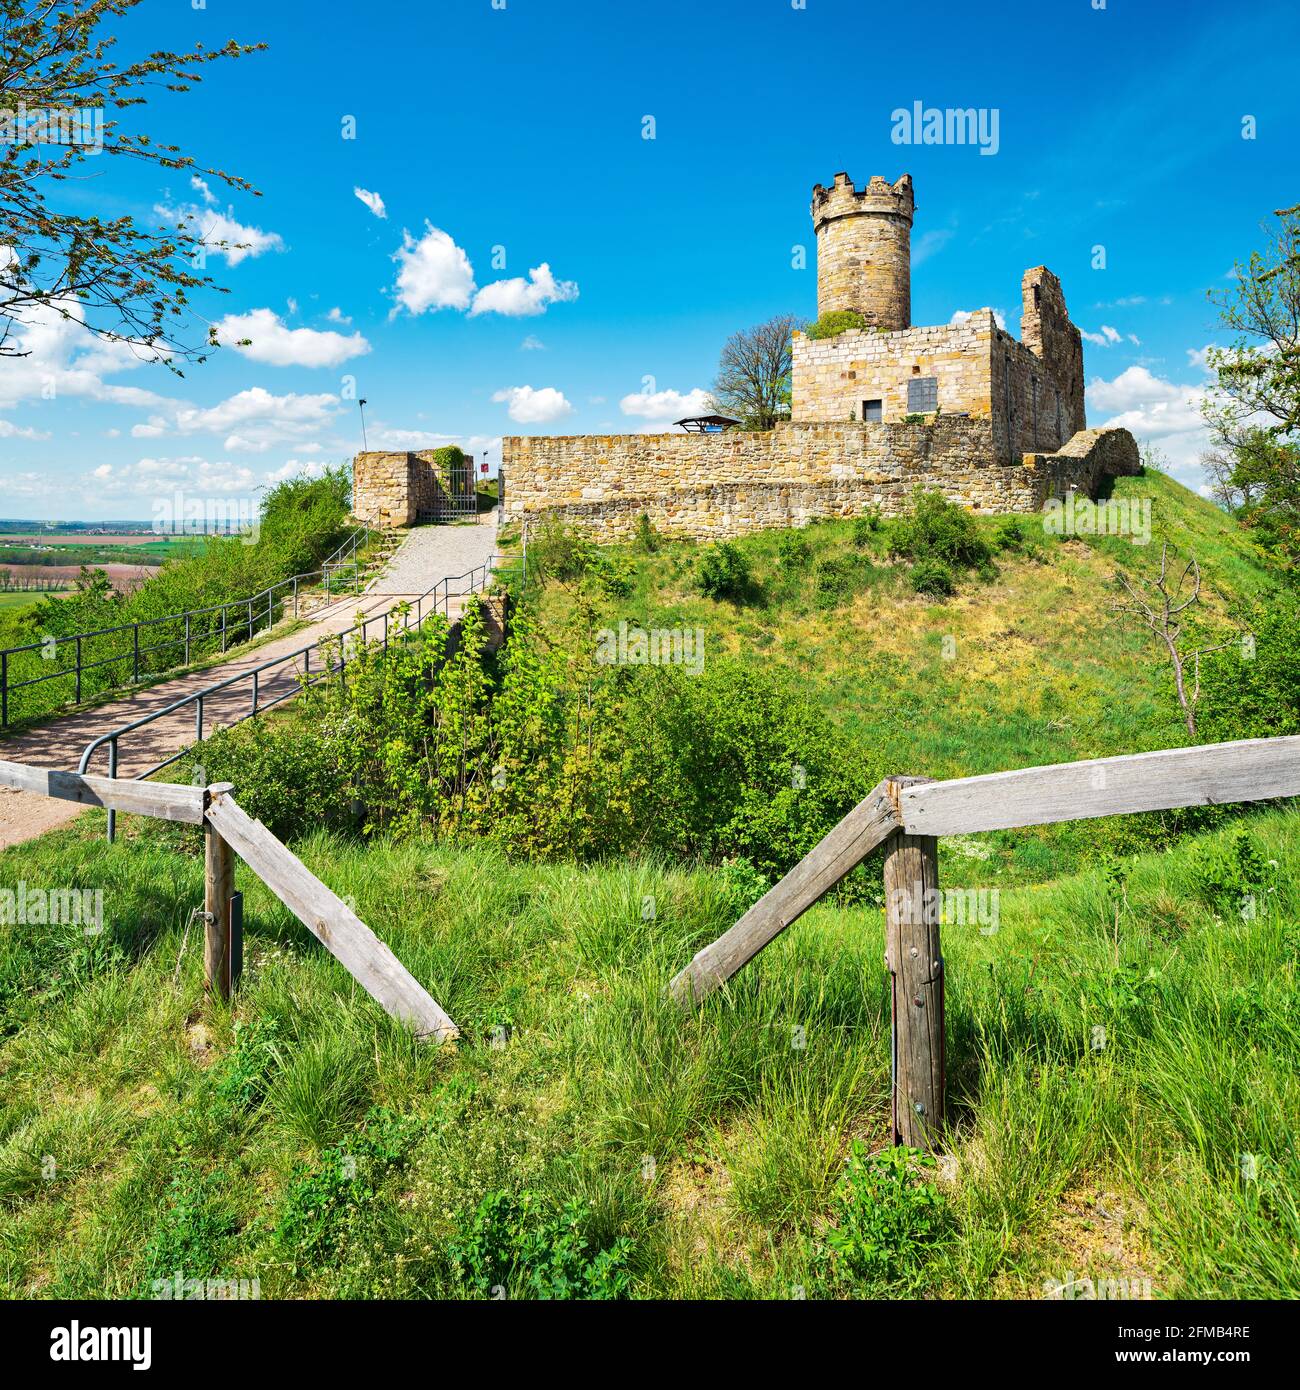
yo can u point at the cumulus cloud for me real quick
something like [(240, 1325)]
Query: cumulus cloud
[(8, 430), (960, 316), (214, 228), (532, 344), (433, 273), (252, 421), (163, 475), (1155, 410), (1106, 338), (57, 358), (520, 298), (262, 336), (529, 406), (661, 408), (373, 201)]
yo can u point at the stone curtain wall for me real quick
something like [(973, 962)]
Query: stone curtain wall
[(1046, 330), (833, 376), (397, 489), (728, 484)]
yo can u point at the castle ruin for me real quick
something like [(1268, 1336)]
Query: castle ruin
[(995, 424)]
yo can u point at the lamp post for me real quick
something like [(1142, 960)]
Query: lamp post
[(364, 445)]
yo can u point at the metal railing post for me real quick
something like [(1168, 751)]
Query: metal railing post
[(187, 639), (295, 596), (198, 720), (4, 688), (250, 619), (254, 691), (112, 772), (223, 629), (135, 665), (78, 668)]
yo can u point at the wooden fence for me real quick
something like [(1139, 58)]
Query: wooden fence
[(228, 830), (908, 814)]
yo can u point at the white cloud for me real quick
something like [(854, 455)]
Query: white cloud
[(373, 201), (253, 421), (532, 344), (213, 227), (1156, 410), (433, 273), (163, 476), (336, 315), (297, 468), (960, 316), (273, 342), (200, 186), (529, 406), (8, 430), (520, 298), (59, 358), (1106, 338), (661, 408)]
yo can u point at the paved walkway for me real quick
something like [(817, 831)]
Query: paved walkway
[(427, 555)]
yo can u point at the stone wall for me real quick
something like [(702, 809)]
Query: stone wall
[(713, 485), (833, 377), (397, 488)]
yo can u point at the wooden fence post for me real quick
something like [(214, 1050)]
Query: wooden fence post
[(915, 962), (218, 891)]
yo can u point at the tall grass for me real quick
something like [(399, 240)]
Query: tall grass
[(300, 1137)]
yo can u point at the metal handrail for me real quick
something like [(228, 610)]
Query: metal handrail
[(186, 641), (478, 577)]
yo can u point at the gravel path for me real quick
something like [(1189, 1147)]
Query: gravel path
[(428, 554)]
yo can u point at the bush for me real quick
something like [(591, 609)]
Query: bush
[(1009, 534), (724, 572), (936, 529), (559, 552), (834, 323), (866, 527), (933, 577), (647, 538), (838, 577), (792, 550), (1252, 688)]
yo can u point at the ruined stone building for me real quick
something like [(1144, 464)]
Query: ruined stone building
[(995, 423)]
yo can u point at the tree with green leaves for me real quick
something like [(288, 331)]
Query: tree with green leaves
[(61, 89), (1253, 409)]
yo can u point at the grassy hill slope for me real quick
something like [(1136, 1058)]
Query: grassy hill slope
[(1123, 1015)]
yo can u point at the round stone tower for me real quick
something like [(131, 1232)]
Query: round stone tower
[(864, 249)]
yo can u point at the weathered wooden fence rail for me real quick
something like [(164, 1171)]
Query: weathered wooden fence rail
[(908, 815), (228, 830)]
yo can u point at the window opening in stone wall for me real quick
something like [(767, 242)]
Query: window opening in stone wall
[(873, 411)]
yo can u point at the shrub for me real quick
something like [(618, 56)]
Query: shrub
[(724, 572), (888, 1222), (1252, 688), (930, 576), (832, 324), (648, 539), (1233, 877), (936, 529), (1009, 534), (792, 550), (559, 552), (838, 577), (866, 527)]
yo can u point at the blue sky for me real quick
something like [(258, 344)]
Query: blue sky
[(542, 267)]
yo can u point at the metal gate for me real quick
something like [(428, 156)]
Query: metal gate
[(454, 495)]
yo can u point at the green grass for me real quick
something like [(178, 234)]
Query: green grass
[(584, 1136)]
